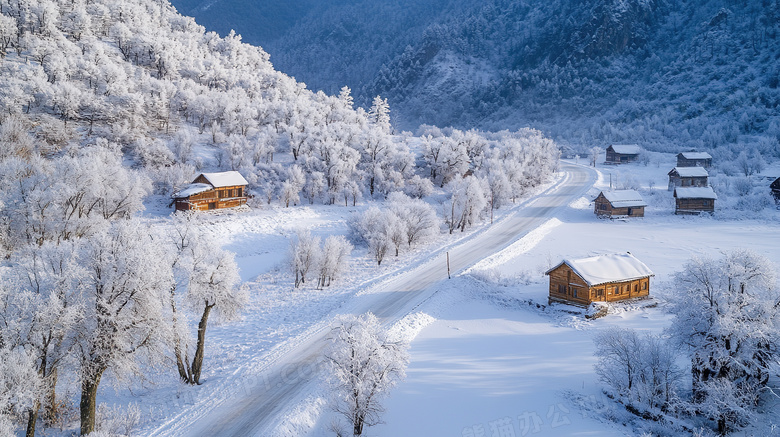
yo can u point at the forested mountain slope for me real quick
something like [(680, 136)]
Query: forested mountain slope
[(698, 73)]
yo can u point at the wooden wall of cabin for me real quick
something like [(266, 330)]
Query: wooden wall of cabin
[(224, 197), (694, 206), (565, 285)]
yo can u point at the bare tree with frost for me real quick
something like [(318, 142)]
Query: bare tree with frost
[(365, 364)]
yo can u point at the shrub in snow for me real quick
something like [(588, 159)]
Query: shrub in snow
[(364, 364)]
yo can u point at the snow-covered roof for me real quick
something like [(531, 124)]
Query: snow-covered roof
[(603, 269), (626, 149), (695, 193), (191, 190), (696, 155), (691, 172), (225, 179), (624, 198)]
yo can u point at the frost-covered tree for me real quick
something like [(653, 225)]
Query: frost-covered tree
[(418, 217), (40, 307), (206, 289), (640, 368), (304, 256), (466, 203), (20, 386), (125, 294), (365, 364), (335, 254), (379, 114), (727, 313)]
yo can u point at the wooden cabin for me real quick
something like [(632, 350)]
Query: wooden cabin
[(604, 278), (694, 159), (212, 191), (619, 203), (694, 200), (622, 153), (775, 187), (688, 177)]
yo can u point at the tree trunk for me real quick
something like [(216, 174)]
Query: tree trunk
[(197, 360), (32, 418), (89, 387)]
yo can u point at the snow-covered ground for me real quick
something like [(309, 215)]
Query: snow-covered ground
[(498, 361), (487, 357)]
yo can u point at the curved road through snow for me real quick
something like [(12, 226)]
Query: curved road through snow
[(288, 379)]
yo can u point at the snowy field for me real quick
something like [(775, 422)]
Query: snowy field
[(490, 355), (498, 361)]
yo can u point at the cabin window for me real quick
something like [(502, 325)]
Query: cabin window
[(636, 288), (603, 206), (568, 277), (706, 203), (599, 292), (618, 290), (644, 286), (213, 205), (239, 192), (561, 289), (574, 291)]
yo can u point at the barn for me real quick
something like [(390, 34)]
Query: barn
[(694, 200), (694, 159), (619, 203), (688, 177), (622, 153), (604, 278), (212, 191)]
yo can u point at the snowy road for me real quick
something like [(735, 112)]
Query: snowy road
[(255, 409)]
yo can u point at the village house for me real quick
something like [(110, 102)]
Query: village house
[(604, 278), (212, 191), (694, 200), (619, 203), (688, 177), (694, 159), (622, 153), (775, 187)]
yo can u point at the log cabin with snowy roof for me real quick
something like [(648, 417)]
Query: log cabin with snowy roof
[(694, 159), (619, 203), (694, 200), (688, 177), (604, 278), (212, 191), (622, 153)]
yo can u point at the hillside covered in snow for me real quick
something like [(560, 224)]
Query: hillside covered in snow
[(666, 74)]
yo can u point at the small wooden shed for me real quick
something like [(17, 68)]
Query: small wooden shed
[(694, 159), (619, 203), (604, 278), (775, 187), (212, 191), (622, 153), (688, 177), (694, 200)]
